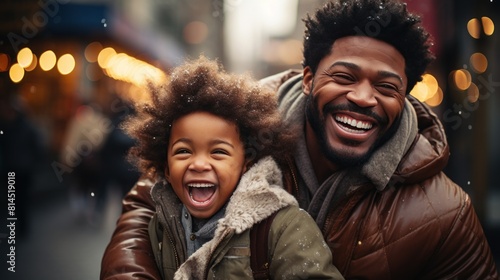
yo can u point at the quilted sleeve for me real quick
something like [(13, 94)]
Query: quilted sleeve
[(129, 254), (464, 252)]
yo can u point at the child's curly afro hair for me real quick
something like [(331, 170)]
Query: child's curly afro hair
[(203, 85)]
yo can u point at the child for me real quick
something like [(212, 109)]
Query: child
[(209, 139)]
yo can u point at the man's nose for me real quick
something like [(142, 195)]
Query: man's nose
[(363, 95)]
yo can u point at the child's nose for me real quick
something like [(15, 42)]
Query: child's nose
[(200, 163)]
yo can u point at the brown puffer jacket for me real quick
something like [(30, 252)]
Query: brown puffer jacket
[(419, 226), (410, 223)]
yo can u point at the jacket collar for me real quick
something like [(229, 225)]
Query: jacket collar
[(258, 194)]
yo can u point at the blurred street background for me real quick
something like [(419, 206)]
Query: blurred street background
[(70, 70)]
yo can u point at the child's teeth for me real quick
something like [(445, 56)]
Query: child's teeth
[(201, 185)]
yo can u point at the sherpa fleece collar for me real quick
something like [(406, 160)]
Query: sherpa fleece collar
[(258, 195)]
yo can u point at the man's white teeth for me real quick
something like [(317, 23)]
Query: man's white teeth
[(201, 185), (353, 122)]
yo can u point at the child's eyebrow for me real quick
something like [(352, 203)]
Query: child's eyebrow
[(221, 141), (213, 142), (185, 140)]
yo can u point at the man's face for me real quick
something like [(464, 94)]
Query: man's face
[(354, 98)]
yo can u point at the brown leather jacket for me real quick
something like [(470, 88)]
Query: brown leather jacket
[(421, 226)]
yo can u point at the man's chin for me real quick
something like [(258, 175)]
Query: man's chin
[(346, 158)]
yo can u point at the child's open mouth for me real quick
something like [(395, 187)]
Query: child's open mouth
[(201, 192)]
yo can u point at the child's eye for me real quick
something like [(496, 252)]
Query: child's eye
[(181, 151), (220, 152)]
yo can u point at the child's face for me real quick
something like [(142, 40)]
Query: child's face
[(206, 159)]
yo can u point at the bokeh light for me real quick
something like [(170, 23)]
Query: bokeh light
[(4, 62), (16, 73), (104, 57), (474, 28), (436, 99), (129, 69), (66, 64), (47, 60), (472, 93), (431, 83), (24, 57), (420, 91), (479, 62), (427, 89), (462, 79), (488, 26), (92, 51), (33, 64)]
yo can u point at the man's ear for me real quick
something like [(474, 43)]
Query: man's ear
[(307, 80)]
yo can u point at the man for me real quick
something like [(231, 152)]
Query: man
[(369, 165)]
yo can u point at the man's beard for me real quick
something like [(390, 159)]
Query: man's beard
[(340, 156)]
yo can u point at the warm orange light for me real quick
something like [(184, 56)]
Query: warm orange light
[(33, 64), (47, 60), (473, 93), (426, 88), (66, 64), (488, 26), (4, 62), (420, 91), (431, 83), (473, 26), (16, 73), (462, 79), (104, 56), (92, 51), (479, 62), (131, 70), (24, 57), (436, 99)]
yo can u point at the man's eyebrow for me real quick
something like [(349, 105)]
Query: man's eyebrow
[(345, 64), (385, 74)]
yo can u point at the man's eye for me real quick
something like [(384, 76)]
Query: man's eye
[(342, 78), (388, 87)]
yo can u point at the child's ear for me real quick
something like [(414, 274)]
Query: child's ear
[(246, 165), (166, 172)]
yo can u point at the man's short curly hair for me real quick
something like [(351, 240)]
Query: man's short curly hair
[(385, 20), (203, 85)]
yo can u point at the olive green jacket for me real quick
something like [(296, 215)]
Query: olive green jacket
[(296, 246)]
